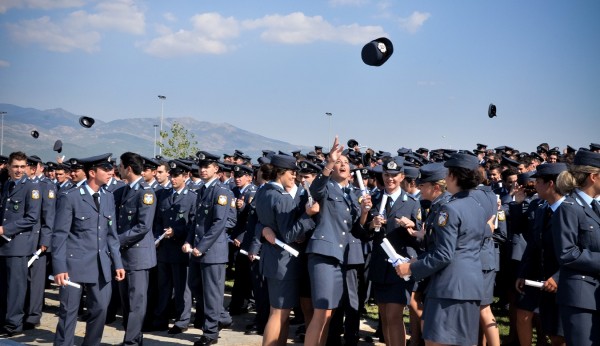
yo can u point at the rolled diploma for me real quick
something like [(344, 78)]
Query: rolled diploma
[(382, 209), (159, 238), (395, 259), (69, 283), (532, 283), (310, 197), (6, 238), (361, 185), (287, 248), (244, 252), (36, 255)]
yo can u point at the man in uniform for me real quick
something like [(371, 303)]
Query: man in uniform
[(43, 229), (162, 174), (134, 225), (62, 173), (19, 213), (208, 246), (149, 173), (176, 208), (77, 172), (85, 249)]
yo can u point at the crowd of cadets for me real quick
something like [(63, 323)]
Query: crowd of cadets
[(151, 236)]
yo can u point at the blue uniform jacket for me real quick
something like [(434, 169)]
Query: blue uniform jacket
[(19, 213), (135, 212), (335, 223), (454, 264), (213, 209), (576, 232), (242, 213), (177, 211), (405, 244), (84, 241), (46, 222), (278, 210)]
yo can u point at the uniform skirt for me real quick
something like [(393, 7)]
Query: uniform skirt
[(283, 294), (450, 321), (326, 281), (396, 292), (489, 279)]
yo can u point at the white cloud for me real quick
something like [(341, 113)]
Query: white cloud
[(80, 30), (4, 63), (209, 34), (414, 21), (5, 5), (59, 38), (296, 28), (170, 17)]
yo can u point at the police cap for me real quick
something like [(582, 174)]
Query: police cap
[(205, 158), (86, 122), (411, 172), (33, 160), (284, 161), (549, 169), (241, 170), (57, 146), (307, 167), (377, 52), (100, 161), (585, 157), (393, 165), (177, 167), (432, 172), (459, 160), (150, 163)]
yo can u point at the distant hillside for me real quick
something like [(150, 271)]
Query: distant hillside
[(120, 135)]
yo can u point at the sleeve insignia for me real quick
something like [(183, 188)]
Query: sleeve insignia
[(51, 194), (148, 199), (35, 194), (222, 200), (442, 218), (419, 214), (501, 215)]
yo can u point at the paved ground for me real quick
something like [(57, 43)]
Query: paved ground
[(113, 334)]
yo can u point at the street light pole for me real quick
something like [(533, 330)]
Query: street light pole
[(2, 113), (162, 107), (155, 127), (330, 115)]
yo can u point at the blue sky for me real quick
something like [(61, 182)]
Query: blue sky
[(275, 67)]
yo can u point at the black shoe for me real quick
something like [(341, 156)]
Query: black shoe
[(30, 326), (237, 311), (205, 341), (155, 328), (250, 326), (110, 319), (296, 320), (10, 333), (225, 325), (176, 330), (254, 331), (198, 324)]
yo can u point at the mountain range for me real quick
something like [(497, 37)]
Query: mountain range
[(121, 135)]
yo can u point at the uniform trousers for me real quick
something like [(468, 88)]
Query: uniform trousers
[(209, 289), (346, 317), (97, 298), (134, 290), (35, 292), (13, 275), (173, 282)]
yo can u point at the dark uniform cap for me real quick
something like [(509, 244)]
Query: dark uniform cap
[(103, 161), (481, 146), (75, 163), (393, 165), (554, 151), (411, 172), (150, 163), (3, 159), (509, 162), (35, 134), (264, 160), (205, 157), (422, 150), (51, 165), (524, 178), (57, 146), (377, 52), (414, 159), (462, 161), (549, 169), (571, 150), (543, 147), (492, 110), (403, 151), (385, 154), (309, 167), (227, 155), (225, 167), (284, 161), (296, 152), (352, 143), (177, 167), (536, 156), (33, 160), (594, 146), (432, 172), (240, 170), (283, 153), (377, 169), (364, 172), (86, 122), (268, 153), (237, 153), (585, 157)]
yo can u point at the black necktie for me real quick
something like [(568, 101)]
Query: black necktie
[(388, 205), (11, 187), (596, 208), (547, 216), (202, 189), (97, 200)]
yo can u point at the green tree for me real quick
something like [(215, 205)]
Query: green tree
[(179, 143)]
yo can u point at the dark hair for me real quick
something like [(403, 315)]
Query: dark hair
[(466, 179), (265, 171), (508, 172), (273, 172), (18, 156), (134, 161)]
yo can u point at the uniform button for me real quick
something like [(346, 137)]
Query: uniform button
[(583, 276), (341, 245), (343, 233), (345, 221), (347, 209)]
